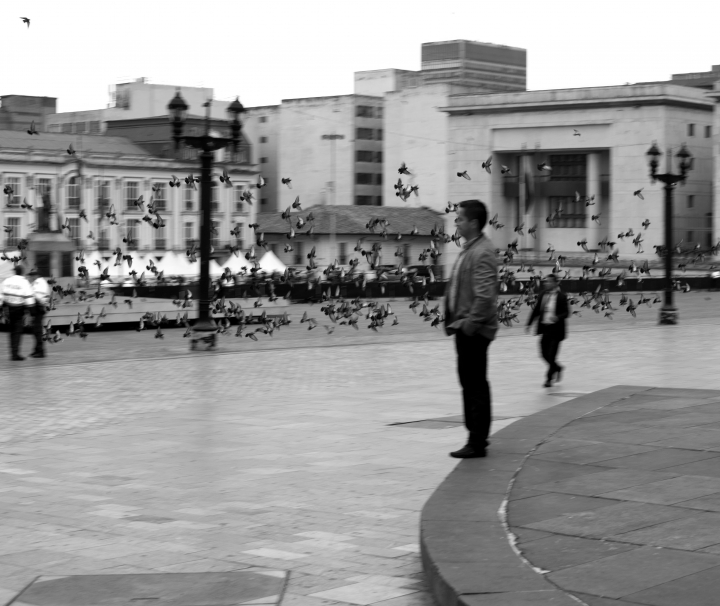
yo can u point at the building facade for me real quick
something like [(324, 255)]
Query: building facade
[(113, 172), (261, 126), (595, 141), (19, 112)]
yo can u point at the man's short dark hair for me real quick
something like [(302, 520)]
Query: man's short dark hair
[(19, 270), (475, 209), (552, 277)]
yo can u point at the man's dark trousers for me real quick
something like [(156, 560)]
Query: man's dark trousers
[(549, 346), (16, 316), (472, 368), (38, 316)]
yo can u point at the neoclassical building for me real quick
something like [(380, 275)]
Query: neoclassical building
[(107, 172)]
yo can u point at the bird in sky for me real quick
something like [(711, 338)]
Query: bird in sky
[(403, 170), (638, 193), (287, 181), (487, 164), (464, 175), (26, 21), (225, 178), (576, 132)]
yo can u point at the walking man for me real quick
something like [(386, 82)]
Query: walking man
[(41, 290), (16, 296), (550, 311), (471, 315)]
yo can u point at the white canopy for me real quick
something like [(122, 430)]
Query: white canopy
[(7, 269), (215, 270), (236, 263), (270, 263), (173, 264)]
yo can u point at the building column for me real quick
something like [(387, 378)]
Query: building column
[(595, 232)]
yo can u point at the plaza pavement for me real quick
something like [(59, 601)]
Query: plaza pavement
[(125, 454)]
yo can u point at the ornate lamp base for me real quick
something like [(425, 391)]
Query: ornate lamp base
[(668, 315), (203, 332)]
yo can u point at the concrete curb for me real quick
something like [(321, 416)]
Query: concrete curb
[(467, 553)]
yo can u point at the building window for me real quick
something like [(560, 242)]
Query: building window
[(43, 187), (67, 128), (263, 119), (263, 201), (214, 199), (12, 237), (363, 200), (379, 112), (131, 194), (263, 139), (263, 160), (74, 234), (13, 201), (160, 241), (378, 156), (690, 236), (342, 255), (378, 201), (189, 234), (133, 233), (239, 200), (103, 240), (708, 131), (73, 193), (103, 196), (160, 196), (364, 133), (239, 240), (273, 248), (691, 201), (363, 155), (568, 167), (363, 178), (298, 250), (380, 134), (378, 179), (691, 130), (80, 128), (572, 215), (95, 127), (364, 111), (406, 254), (189, 198)]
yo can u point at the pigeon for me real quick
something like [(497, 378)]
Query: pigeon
[(71, 150), (32, 130), (225, 178), (26, 21), (576, 132), (464, 175), (638, 193), (403, 170), (287, 182), (543, 166), (487, 164)]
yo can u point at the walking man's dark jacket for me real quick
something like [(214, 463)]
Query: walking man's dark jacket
[(557, 329)]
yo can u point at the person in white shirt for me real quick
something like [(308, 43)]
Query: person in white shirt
[(41, 290), (16, 297)]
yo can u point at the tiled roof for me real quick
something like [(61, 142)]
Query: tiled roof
[(58, 142), (352, 219)]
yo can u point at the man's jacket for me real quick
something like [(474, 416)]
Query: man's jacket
[(475, 309), (557, 329), (41, 290), (17, 292)]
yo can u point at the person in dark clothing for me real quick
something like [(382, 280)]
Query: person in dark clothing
[(471, 315), (16, 297), (550, 311)]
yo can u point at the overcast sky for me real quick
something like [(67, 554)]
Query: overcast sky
[(268, 50)]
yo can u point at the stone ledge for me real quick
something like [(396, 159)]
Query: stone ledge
[(466, 553)]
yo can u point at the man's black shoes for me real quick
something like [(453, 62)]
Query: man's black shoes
[(17, 358), (547, 383), (37, 355), (468, 452)]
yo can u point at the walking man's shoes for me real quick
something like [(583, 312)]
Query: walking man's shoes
[(37, 355), (547, 383), (468, 452), (17, 358)]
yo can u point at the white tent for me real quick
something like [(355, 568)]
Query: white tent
[(270, 263), (7, 269), (236, 263), (215, 270), (174, 265)]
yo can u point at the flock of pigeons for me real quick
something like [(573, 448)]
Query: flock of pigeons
[(338, 310)]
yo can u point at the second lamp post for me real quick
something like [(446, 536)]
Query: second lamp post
[(668, 312)]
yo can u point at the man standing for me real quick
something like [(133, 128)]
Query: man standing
[(16, 296), (471, 315), (551, 310), (41, 290)]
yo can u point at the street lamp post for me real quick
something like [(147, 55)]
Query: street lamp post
[(207, 144), (668, 312), (332, 139)]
